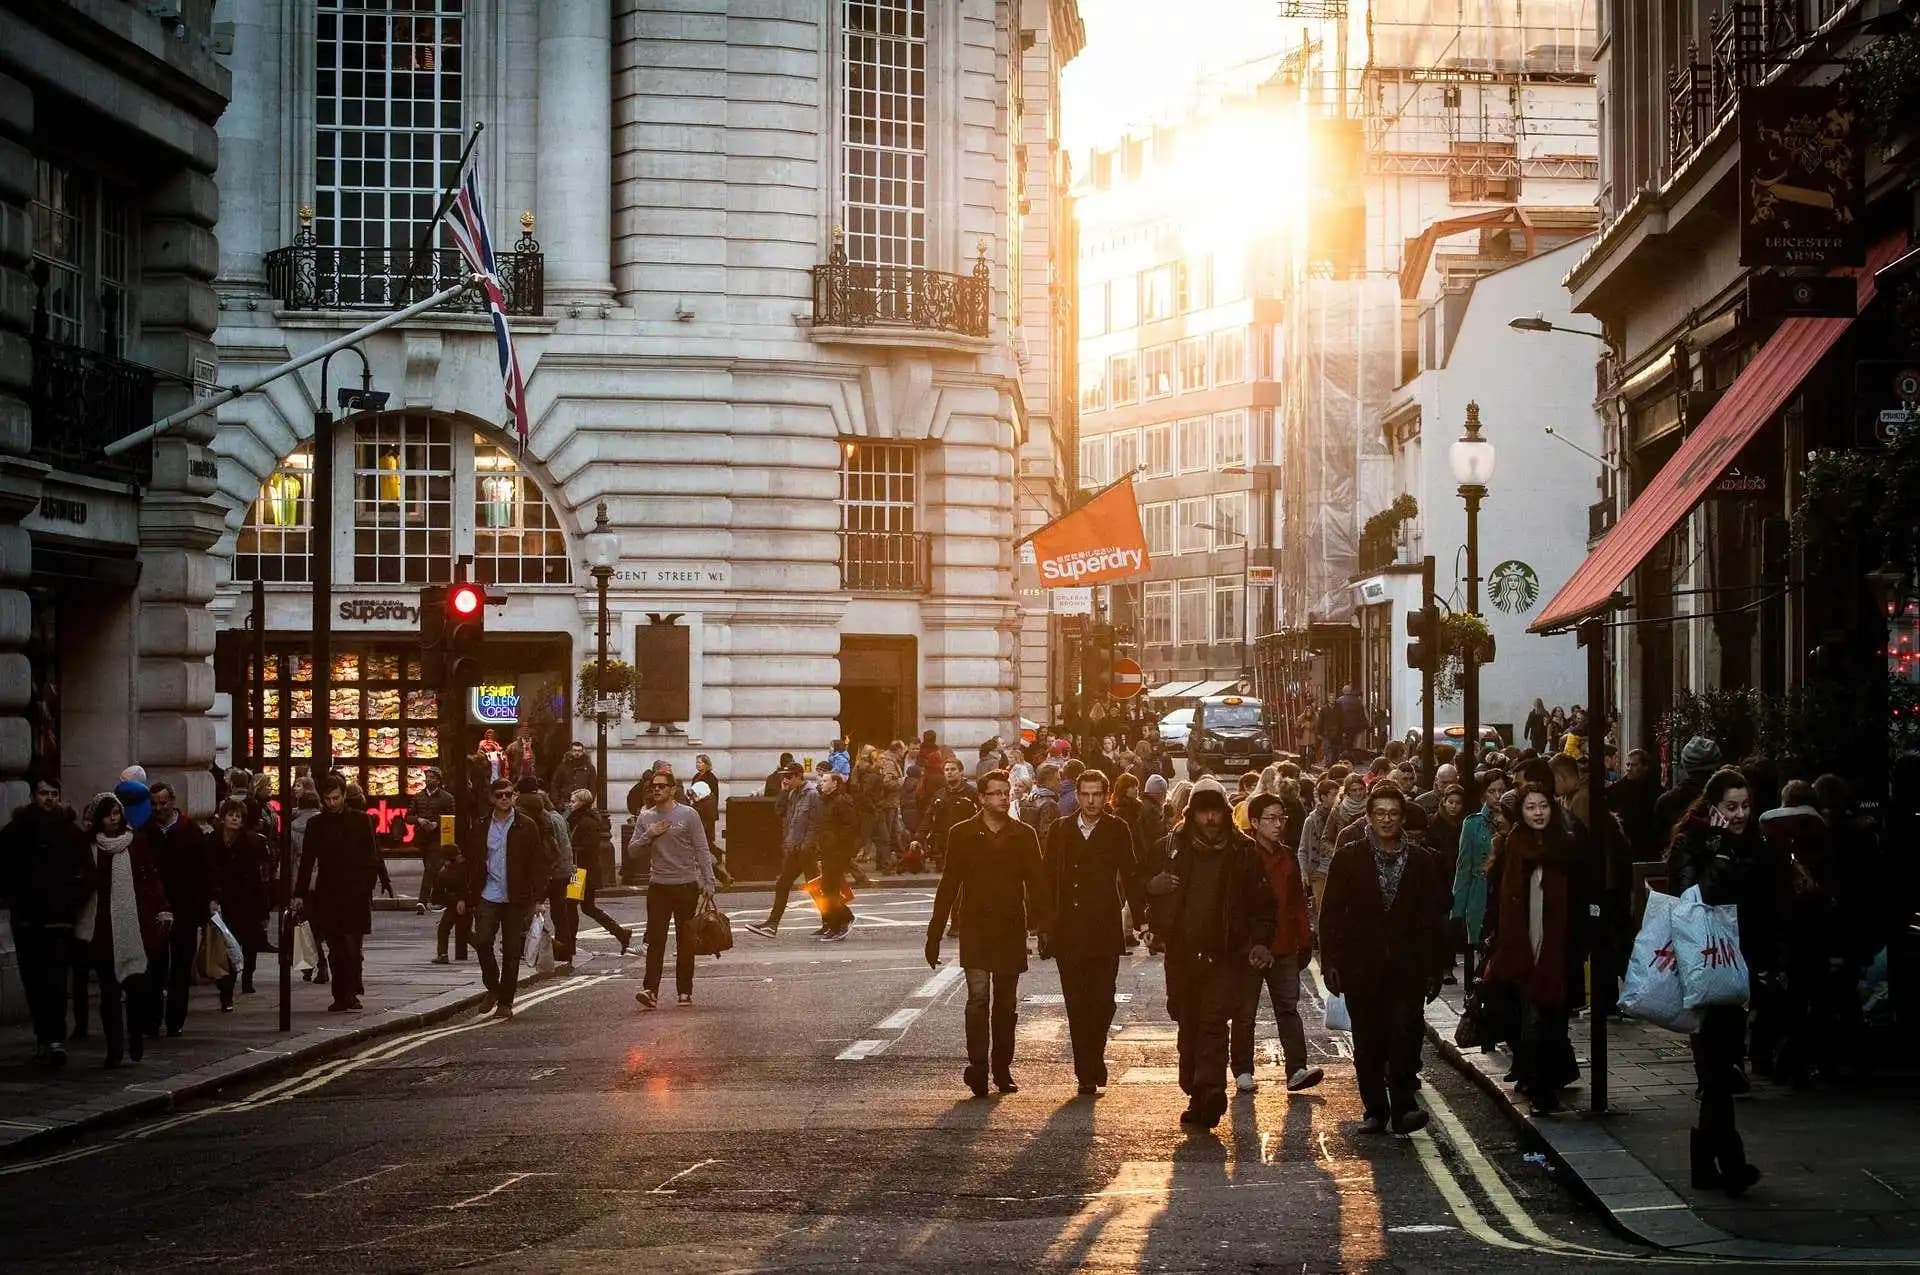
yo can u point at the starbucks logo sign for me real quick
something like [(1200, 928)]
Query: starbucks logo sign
[(1513, 586)]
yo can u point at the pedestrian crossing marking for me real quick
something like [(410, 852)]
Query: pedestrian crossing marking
[(1058, 998), (861, 1049), (899, 1019), (1150, 1076), (946, 976)]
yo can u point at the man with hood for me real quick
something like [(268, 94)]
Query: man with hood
[(45, 876), (576, 770), (1214, 913), (1042, 806)]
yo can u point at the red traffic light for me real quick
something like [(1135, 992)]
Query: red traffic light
[(464, 599)]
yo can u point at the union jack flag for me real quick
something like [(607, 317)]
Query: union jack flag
[(467, 221)]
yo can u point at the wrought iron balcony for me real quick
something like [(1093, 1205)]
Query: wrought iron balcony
[(846, 295), (82, 400), (884, 561), (309, 276)]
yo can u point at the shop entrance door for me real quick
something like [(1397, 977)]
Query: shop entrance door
[(878, 695)]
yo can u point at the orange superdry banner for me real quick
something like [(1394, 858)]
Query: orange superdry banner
[(1098, 542)]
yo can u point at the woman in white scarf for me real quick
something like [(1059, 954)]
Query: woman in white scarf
[(124, 919)]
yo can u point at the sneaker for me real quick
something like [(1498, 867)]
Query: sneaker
[(338, 1007), (684, 1000), (836, 936), (1245, 1082), (647, 998), (822, 932), (764, 931), (1305, 1078), (487, 1004), (419, 909), (1410, 1122)]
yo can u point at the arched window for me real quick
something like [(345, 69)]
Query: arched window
[(403, 503), (273, 544), (517, 537)]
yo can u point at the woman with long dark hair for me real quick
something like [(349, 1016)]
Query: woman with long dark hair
[(1535, 949), (243, 886), (126, 918), (1717, 846)]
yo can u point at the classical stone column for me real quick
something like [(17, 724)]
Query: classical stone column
[(179, 518), (250, 147), (19, 476), (575, 172)]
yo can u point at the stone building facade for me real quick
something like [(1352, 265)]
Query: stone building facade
[(778, 291)]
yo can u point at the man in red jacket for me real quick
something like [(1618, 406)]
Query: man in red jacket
[(1292, 948)]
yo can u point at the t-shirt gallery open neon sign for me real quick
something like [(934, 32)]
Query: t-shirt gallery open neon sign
[(497, 704)]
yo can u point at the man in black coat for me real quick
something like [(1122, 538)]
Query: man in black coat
[(1383, 945), (506, 877), (1091, 871), (575, 771), (993, 874), (45, 875), (424, 813), (183, 851), (1214, 913), (339, 867), (955, 802)]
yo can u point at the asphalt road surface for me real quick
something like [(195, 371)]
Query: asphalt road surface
[(806, 1113)]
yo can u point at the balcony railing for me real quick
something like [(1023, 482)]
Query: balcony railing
[(81, 401), (309, 276), (884, 561), (846, 295), (1745, 38)]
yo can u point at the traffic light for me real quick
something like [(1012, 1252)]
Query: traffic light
[(1099, 666), (1425, 645), (433, 634), (464, 618)]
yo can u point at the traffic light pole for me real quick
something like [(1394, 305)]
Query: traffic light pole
[(1426, 674)]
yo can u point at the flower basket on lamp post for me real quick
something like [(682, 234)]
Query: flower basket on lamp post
[(611, 691)]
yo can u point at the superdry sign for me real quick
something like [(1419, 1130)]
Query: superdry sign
[(1099, 542)]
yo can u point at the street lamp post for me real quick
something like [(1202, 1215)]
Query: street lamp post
[(603, 550), (1471, 458)]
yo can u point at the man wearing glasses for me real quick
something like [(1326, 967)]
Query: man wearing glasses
[(502, 887), (682, 873)]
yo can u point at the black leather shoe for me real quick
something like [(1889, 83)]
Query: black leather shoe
[(1374, 1124), (976, 1078), (1410, 1121), (1705, 1173), (1004, 1084)]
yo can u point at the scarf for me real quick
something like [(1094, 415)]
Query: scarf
[(1545, 979), (1390, 867), (123, 907), (1343, 815)]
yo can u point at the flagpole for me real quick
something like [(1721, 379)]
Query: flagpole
[(1126, 477), (446, 201)]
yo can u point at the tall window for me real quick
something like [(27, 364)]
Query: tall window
[(517, 537), (1194, 442), (1157, 522), (1229, 438), (1093, 461), (884, 110), (402, 499), (80, 243), (1266, 443), (1229, 608), (1159, 451), (1194, 537), (1229, 518), (1191, 612), (1229, 356), (1093, 385), (1156, 294), (387, 89), (1126, 453), (1156, 372), (273, 544), (1156, 606), (1193, 364), (1123, 379)]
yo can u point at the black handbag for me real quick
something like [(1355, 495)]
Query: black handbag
[(712, 930), (1489, 1018)]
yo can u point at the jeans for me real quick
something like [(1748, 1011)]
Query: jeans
[(792, 868), (593, 910), (42, 951), (1281, 982), (122, 1008), (1202, 995), (1086, 984), (1387, 1028), (673, 903), (509, 921), (566, 919), (169, 979), (349, 964), (992, 1009)]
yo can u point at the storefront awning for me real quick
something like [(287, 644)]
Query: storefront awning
[(1172, 690), (1762, 387), (1203, 689)]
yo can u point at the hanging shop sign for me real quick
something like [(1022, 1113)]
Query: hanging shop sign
[(1099, 542), (1802, 177), (497, 704), (1513, 586), (1073, 601)]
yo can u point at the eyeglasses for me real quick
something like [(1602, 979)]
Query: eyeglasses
[(498, 793), (661, 783)]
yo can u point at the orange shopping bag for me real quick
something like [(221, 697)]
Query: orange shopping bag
[(817, 893)]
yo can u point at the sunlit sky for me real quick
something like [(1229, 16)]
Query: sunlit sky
[(1143, 58)]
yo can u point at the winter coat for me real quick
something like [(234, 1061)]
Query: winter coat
[(526, 862), (1536, 731), (1088, 880), (569, 776), (1149, 833), (839, 830), (243, 882), (1550, 980), (1246, 907), (184, 855), (424, 812), (1001, 893), (1634, 802), (1470, 873), (1743, 871), (339, 867), (592, 838), (45, 869), (1374, 950), (1292, 934), (150, 898), (1039, 811), (799, 818), (946, 808)]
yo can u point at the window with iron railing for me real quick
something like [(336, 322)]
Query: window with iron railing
[(883, 109), (881, 546)]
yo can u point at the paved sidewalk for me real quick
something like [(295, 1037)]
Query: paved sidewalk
[(1841, 1165), (404, 989)]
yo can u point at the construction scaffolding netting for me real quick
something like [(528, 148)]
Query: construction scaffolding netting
[(1495, 36)]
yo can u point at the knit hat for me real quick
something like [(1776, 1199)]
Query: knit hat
[(1700, 753), (1156, 786), (1207, 783), (1204, 798)]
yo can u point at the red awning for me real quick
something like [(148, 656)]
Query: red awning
[(1762, 387)]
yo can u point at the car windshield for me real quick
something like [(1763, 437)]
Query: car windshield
[(1226, 716)]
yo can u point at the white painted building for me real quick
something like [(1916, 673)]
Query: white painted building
[(1533, 523), (783, 306)]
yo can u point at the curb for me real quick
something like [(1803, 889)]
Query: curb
[(1635, 1201), (928, 880), (139, 1100)]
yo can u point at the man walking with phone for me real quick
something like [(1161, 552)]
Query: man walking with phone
[(682, 874)]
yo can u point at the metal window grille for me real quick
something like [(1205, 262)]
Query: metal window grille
[(390, 125), (402, 499), (884, 121), (517, 536), (274, 542), (881, 546)]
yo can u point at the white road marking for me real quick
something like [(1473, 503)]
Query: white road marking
[(512, 1178), (861, 1049), (943, 978), (662, 1189), (1058, 998), (380, 1172), (900, 1019)]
